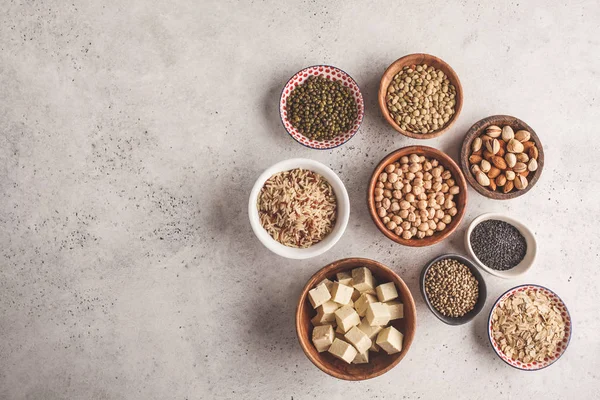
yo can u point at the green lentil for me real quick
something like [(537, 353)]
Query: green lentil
[(321, 109)]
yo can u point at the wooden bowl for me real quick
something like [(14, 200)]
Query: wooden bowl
[(479, 128), (415, 59), (379, 362), (460, 198)]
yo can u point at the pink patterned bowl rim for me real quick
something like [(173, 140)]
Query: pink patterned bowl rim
[(329, 72), (562, 347)]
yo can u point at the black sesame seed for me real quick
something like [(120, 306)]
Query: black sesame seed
[(498, 244)]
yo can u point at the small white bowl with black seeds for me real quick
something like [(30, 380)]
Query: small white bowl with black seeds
[(501, 245)]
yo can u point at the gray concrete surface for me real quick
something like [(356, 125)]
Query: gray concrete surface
[(131, 133)]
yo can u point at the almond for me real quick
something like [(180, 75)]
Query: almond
[(477, 153), (528, 145), (533, 153), (487, 155), (502, 151), (475, 159), (501, 180), (493, 172), (508, 186), (493, 185), (498, 162)]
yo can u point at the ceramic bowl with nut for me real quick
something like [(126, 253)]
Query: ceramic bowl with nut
[(420, 96), (299, 208), (417, 196), (502, 157)]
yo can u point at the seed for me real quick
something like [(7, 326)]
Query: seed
[(498, 244), (485, 166), (522, 136), (521, 182), (533, 165), (511, 159), (493, 131), (477, 142), (451, 288), (507, 133)]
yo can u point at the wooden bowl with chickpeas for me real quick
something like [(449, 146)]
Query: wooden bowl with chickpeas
[(417, 196)]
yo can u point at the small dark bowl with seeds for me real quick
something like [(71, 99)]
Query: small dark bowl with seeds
[(453, 288), (501, 245)]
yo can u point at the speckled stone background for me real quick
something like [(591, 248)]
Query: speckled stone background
[(131, 133)]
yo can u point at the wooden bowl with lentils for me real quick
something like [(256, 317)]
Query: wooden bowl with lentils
[(417, 196), (420, 96)]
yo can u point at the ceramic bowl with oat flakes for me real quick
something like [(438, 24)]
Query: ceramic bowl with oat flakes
[(529, 327)]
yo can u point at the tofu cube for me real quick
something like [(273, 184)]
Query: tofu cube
[(362, 279), (361, 358), (346, 317), (341, 294), (390, 339), (374, 347), (396, 310), (377, 314), (327, 283), (322, 337), (323, 318), (362, 303), (329, 307), (370, 331), (318, 295), (358, 339), (355, 295), (386, 292), (345, 278), (342, 350)]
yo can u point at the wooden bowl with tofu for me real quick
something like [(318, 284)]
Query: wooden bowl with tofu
[(364, 321)]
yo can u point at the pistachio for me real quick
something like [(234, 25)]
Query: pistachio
[(522, 136), (482, 179), (475, 169), (507, 133), (521, 182), (485, 166), (499, 162), (493, 172), (475, 159), (476, 146), (511, 160), (533, 165), (493, 131), (522, 157), (501, 180), (520, 167), (514, 146), (508, 186), (510, 175), (533, 153), (493, 146)]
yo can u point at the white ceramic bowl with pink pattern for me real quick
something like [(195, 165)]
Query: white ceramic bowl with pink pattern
[(332, 73), (562, 346)]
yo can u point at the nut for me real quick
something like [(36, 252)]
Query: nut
[(485, 166), (528, 145), (522, 157), (493, 146), (520, 167), (522, 136), (475, 169), (511, 160), (493, 172), (533, 153), (510, 175), (487, 155), (508, 186), (514, 146), (493, 131), (507, 133), (521, 182), (499, 162), (482, 179), (493, 185), (501, 180), (533, 165), (475, 159), (477, 143)]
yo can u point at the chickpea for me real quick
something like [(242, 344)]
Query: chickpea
[(453, 211), (439, 214), (378, 198), (414, 167), (387, 193), (410, 176), (398, 185), (412, 217), (446, 175), (435, 163), (427, 176), (423, 226), (397, 194), (407, 235), (427, 166), (407, 188), (414, 158), (392, 177), (420, 235), (440, 226), (404, 160), (377, 204), (391, 225), (378, 191), (417, 190), (448, 204), (451, 182), (403, 214), (388, 185), (390, 168), (385, 219), (427, 185), (398, 231), (431, 203), (445, 188), (405, 225), (381, 212), (431, 224), (383, 177), (436, 172), (429, 232), (379, 185), (413, 230), (440, 199), (386, 203), (419, 175), (454, 190), (404, 204), (404, 168), (449, 196), (423, 215), (397, 219), (431, 212), (397, 165), (422, 204), (436, 187), (395, 206), (421, 159), (417, 182), (447, 219)]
